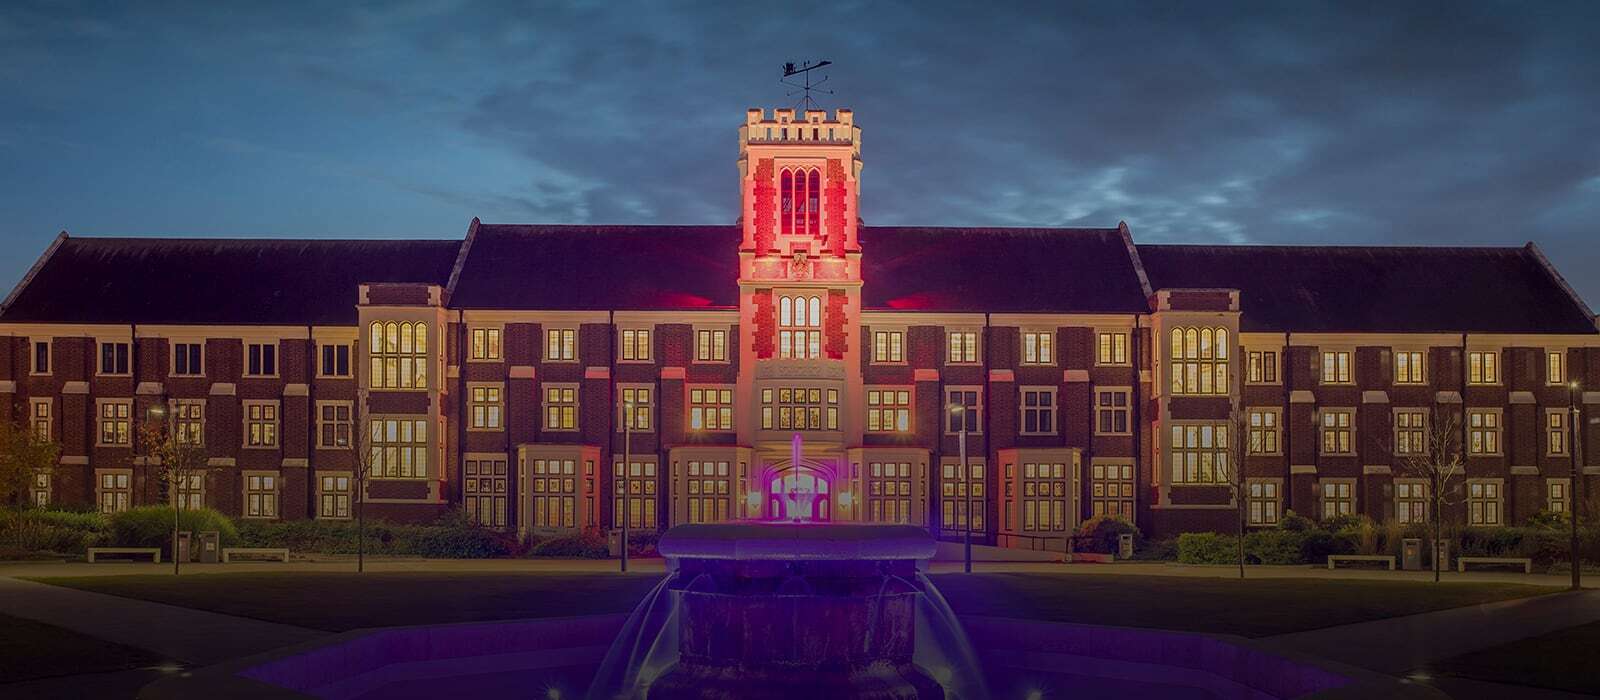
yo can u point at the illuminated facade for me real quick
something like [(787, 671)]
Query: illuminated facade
[(494, 373)]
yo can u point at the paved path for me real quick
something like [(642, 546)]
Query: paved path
[(1400, 644), (193, 637)]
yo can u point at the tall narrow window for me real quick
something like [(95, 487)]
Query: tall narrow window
[(786, 190), (560, 408), (1483, 503), (1555, 367), (189, 422), (1411, 502), (888, 346), (116, 422), (1336, 367), (1200, 361), (1483, 367), (888, 410), (1113, 349), (1037, 348), (486, 343), (261, 424), (636, 345), (1263, 367), (1264, 431), (114, 358), (638, 416), (1555, 426), (889, 492), (961, 492), (1408, 367), (1263, 503), (40, 492), (554, 491), (261, 360), (1111, 412), (560, 345), (711, 346), (1200, 454), (963, 347), (39, 418), (261, 496), (813, 202), (486, 407), (1555, 491), (1337, 431), (1044, 496), (1410, 432), (399, 355), (41, 357), (186, 360), (639, 480), (800, 327), (1483, 432), (709, 488)]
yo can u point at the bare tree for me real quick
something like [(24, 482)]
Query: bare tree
[(359, 441), (1441, 465), (23, 454), (1236, 445), (176, 456)]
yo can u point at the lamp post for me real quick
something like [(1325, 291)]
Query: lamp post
[(157, 414), (960, 413), (627, 460), (1572, 488)]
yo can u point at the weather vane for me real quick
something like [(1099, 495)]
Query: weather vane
[(804, 89)]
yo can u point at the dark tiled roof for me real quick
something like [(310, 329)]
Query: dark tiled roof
[(1377, 289), (220, 281), (910, 268)]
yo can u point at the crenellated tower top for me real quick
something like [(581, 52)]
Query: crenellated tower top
[(799, 179)]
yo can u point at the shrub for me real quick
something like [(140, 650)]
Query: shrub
[(447, 538), (1207, 548), (1344, 523), (1318, 544), (642, 542), (1294, 522), (1274, 547), (1101, 532), (590, 544), (151, 526), (27, 534), (1156, 550), (1550, 520)]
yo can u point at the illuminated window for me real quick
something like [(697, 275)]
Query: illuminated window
[(41, 357), (637, 496), (889, 492), (1199, 361), (1338, 435), (1262, 501), (399, 448), (888, 410), (961, 493), (1336, 367), (116, 422), (561, 345), (800, 190), (1483, 367), (1338, 498), (888, 346), (800, 327), (1113, 349), (553, 493), (186, 360), (1263, 367), (40, 488), (1556, 497), (484, 491), (114, 358), (1408, 367), (335, 360), (1038, 348), (1483, 503), (1200, 454), (113, 489), (1555, 367), (800, 409), (189, 422), (639, 398), (39, 418), (333, 499), (333, 424), (1044, 496), (710, 409), (636, 345), (970, 417), (560, 407), (261, 360), (191, 491), (1111, 412), (261, 496), (1264, 431), (261, 424), (963, 347), (1555, 429), (486, 407), (399, 355), (1111, 490), (486, 343), (1411, 502), (1483, 432), (711, 346), (1410, 432), (707, 488)]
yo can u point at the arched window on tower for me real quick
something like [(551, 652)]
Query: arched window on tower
[(813, 195), (787, 208)]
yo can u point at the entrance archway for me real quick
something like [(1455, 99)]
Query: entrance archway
[(799, 493)]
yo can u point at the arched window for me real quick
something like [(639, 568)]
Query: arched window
[(399, 355), (813, 195), (799, 334), (800, 201), (787, 188), (1200, 361)]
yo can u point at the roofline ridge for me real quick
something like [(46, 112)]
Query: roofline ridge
[(1538, 255), (28, 276), (257, 239), (996, 228), (1325, 246), (461, 259)]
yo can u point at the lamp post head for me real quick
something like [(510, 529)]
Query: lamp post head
[(958, 409), (157, 411)]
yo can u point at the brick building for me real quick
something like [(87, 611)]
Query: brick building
[(494, 373)]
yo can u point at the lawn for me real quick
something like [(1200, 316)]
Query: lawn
[(30, 650), (342, 601), (1561, 660)]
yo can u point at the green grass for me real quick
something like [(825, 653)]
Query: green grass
[(31, 650), (343, 601), (1561, 660)]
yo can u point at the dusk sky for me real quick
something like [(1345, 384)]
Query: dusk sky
[(1290, 122)]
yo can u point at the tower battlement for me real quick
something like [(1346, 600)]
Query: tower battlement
[(813, 126)]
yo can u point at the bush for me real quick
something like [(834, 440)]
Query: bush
[(448, 538), (1344, 523), (1207, 548), (1550, 520), (1156, 550), (1295, 523), (1274, 547), (1101, 532), (31, 534), (1318, 544), (151, 526), (590, 544)]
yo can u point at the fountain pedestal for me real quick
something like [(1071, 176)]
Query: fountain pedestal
[(796, 611)]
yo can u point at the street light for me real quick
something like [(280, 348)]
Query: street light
[(627, 459), (157, 415), (959, 411), (1573, 485)]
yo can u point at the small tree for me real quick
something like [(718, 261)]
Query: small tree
[(359, 441), (1236, 445), (176, 457), (1441, 465), (23, 453)]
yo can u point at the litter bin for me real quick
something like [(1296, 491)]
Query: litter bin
[(1441, 549), (614, 543), (1125, 546), (184, 553), (1411, 554), (210, 547)]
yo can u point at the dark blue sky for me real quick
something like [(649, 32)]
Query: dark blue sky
[(1449, 123)]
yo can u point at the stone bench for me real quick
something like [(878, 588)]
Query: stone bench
[(1524, 562), (279, 553), (96, 552), (1384, 558)]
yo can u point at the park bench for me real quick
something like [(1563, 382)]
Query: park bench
[(96, 552), (1383, 558), (279, 553), (1524, 562)]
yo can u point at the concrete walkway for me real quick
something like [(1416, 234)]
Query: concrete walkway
[(1400, 644), (192, 637)]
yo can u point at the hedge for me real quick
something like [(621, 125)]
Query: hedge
[(1207, 548), (32, 533), (447, 538), (151, 526), (590, 544), (1101, 533)]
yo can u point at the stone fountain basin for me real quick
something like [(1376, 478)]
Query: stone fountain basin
[(551, 659), (779, 541)]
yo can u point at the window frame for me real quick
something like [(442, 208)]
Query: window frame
[(419, 358), (174, 409), (275, 423), (380, 469), (49, 423), (1484, 369), (100, 419), (644, 413), (1106, 340), (1218, 448), (49, 357), (1557, 433), (894, 409), (711, 334), (1101, 481), (1274, 431), (1350, 449), (348, 422), (1555, 360), (1352, 499), (100, 358), (1044, 346), (492, 344), (1051, 411), (1126, 409), (1256, 493), (493, 405), (545, 403), (349, 360), (976, 408), (101, 490), (1418, 495), (323, 492), (1251, 365), (889, 357), (704, 407), (172, 358), (631, 340), (274, 492), (1551, 500), (1497, 432), (1419, 432), (976, 346), (1180, 359), (1475, 502), (277, 360), (1324, 355), (1418, 374), (562, 346)]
